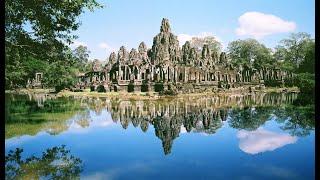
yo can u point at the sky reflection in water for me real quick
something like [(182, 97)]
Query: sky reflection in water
[(245, 137)]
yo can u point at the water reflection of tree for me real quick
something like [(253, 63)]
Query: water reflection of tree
[(299, 117), (25, 116), (55, 163), (249, 118)]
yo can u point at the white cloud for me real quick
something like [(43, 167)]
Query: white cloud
[(261, 140), (182, 38), (75, 44), (258, 25), (183, 130)]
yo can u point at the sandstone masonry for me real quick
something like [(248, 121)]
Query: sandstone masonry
[(166, 66)]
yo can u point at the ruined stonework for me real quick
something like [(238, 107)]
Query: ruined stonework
[(166, 66)]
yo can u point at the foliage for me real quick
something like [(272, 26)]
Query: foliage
[(308, 64), (38, 30), (293, 50), (130, 87), (250, 53), (61, 74), (23, 116), (168, 92), (101, 88), (305, 82), (81, 54), (158, 87), (55, 163), (297, 120), (144, 86), (249, 118), (198, 42), (272, 83)]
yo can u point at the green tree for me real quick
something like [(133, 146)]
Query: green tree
[(292, 51), (39, 30), (198, 42), (65, 72), (81, 54), (250, 53), (308, 64)]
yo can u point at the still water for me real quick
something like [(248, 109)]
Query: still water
[(255, 136)]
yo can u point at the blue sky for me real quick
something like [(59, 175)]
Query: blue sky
[(128, 22)]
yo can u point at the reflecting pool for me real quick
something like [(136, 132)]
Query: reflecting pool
[(253, 136)]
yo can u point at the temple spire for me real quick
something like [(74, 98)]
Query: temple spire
[(165, 26)]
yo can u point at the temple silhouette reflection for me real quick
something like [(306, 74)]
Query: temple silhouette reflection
[(198, 115), (169, 117)]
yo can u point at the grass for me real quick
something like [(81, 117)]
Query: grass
[(155, 95)]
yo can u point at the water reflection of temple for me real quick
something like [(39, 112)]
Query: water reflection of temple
[(169, 116)]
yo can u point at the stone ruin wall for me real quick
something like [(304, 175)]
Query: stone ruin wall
[(181, 69)]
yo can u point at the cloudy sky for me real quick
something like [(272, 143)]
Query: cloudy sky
[(128, 22)]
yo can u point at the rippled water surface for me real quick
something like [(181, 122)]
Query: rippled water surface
[(256, 136)]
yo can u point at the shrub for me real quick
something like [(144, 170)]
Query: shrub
[(101, 88), (59, 88), (272, 83), (289, 82), (158, 87), (168, 92), (144, 86), (130, 87), (92, 88), (305, 82), (228, 86)]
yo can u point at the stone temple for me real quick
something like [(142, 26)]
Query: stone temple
[(166, 66)]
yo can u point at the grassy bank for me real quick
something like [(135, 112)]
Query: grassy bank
[(155, 95), (149, 95), (25, 90)]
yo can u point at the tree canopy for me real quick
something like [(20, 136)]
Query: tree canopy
[(213, 44), (295, 50), (38, 31), (250, 53)]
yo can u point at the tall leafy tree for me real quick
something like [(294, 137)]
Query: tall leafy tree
[(250, 53), (292, 51), (308, 64), (212, 42), (39, 30), (81, 54)]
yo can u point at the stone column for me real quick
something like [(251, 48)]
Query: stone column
[(185, 75)]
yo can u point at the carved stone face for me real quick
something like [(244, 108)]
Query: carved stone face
[(96, 65), (142, 48), (133, 53), (112, 57), (122, 53)]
